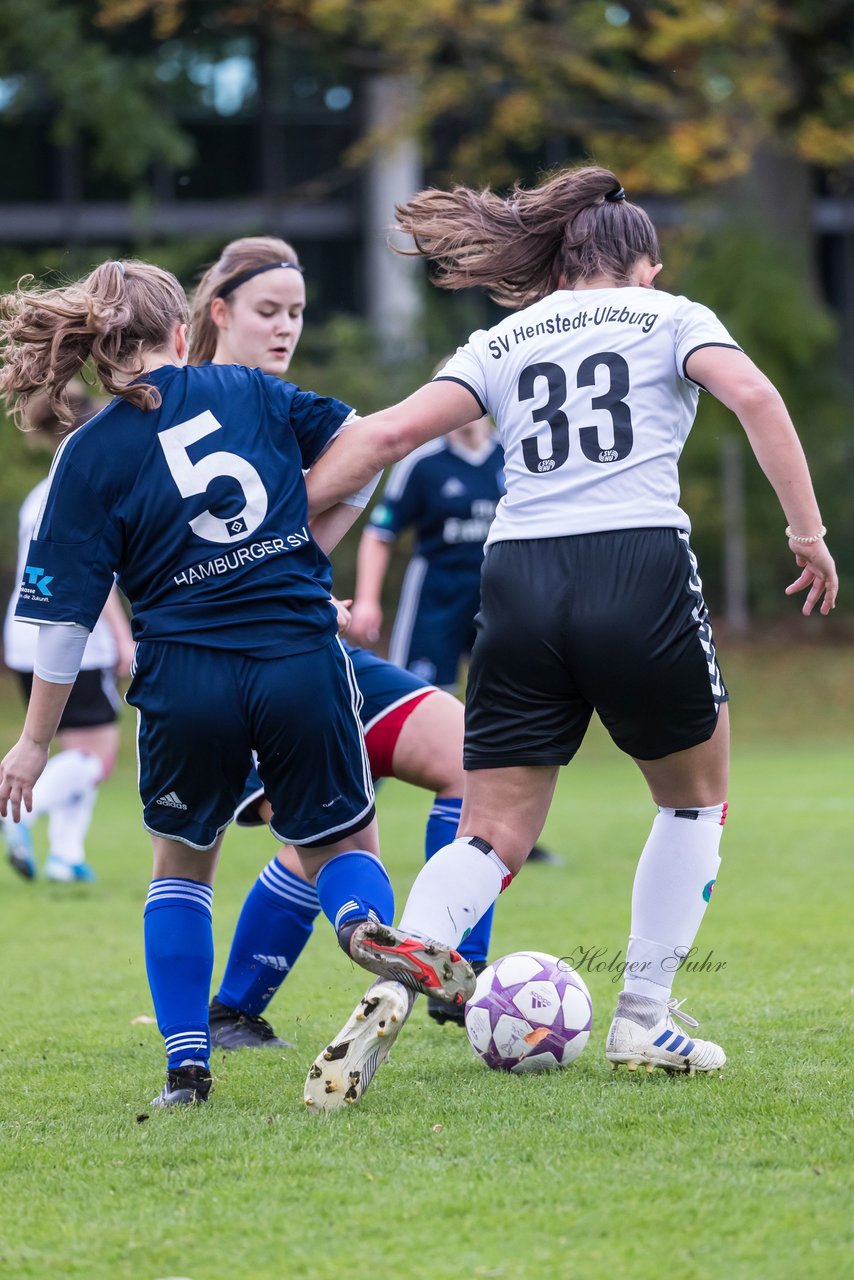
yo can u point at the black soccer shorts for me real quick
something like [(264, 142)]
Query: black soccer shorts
[(94, 699), (610, 622)]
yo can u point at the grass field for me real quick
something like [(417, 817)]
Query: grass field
[(447, 1169)]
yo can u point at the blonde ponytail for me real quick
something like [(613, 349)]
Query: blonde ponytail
[(115, 316)]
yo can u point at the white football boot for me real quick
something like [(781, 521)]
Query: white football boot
[(342, 1072), (662, 1045)]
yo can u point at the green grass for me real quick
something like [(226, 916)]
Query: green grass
[(447, 1169)]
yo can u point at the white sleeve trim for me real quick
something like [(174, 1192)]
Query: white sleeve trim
[(351, 418), (59, 652), (363, 497)]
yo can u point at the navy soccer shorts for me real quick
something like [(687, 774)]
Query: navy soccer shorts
[(202, 713), (385, 689), (434, 625), (608, 622)]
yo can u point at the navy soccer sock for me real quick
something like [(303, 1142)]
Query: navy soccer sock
[(275, 924), (441, 829), (351, 887), (179, 962)]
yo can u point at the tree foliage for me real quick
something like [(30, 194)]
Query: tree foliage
[(50, 55), (676, 93)]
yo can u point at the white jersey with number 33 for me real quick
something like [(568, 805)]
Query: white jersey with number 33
[(593, 406)]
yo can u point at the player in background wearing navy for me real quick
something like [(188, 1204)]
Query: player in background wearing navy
[(88, 735), (591, 598), (204, 525), (446, 492), (413, 731)]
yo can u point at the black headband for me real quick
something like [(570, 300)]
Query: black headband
[(236, 281), (617, 194)]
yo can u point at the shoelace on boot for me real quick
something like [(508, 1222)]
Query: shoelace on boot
[(675, 1010)]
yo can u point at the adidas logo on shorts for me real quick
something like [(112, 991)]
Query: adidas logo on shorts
[(171, 801)]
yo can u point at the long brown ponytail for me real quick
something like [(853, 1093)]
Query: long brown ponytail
[(238, 256), (574, 226), (115, 315)]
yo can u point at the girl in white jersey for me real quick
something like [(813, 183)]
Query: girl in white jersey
[(590, 594), (88, 735)]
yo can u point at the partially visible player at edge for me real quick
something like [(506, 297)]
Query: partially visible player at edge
[(88, 733), (205, 526), (591, 597), (248, 309)]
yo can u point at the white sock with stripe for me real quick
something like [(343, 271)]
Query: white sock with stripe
[(453, 890), (673, 885)]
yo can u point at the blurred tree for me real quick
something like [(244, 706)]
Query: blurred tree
[(750, 280), (743, 98), (675, 93), (50, 51)]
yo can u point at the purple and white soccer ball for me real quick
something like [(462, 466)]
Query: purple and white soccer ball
[(529, 1012)]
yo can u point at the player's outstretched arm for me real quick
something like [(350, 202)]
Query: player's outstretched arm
[(24, 764), (371, 443), (329, 527), (59, 652), (734, 379)]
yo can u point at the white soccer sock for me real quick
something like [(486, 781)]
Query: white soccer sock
[(68, 824), (452, 891), (66, 776), (673, 885)]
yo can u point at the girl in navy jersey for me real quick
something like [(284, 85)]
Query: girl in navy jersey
[(248, 309), (591, 598), (204, 524)]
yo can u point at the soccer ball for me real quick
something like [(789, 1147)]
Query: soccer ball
[(529, 1012)]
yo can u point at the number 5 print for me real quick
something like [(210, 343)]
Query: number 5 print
[(193, 478)]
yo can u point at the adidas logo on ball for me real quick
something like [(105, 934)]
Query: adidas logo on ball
[(529, 1012)]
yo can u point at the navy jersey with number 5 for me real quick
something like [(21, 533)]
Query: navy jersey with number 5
[(199, 507)]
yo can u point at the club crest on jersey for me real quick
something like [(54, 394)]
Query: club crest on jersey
[(237, 526), (609, 455), (546, 464)]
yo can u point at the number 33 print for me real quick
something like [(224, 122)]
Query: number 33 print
[(612, 400)]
